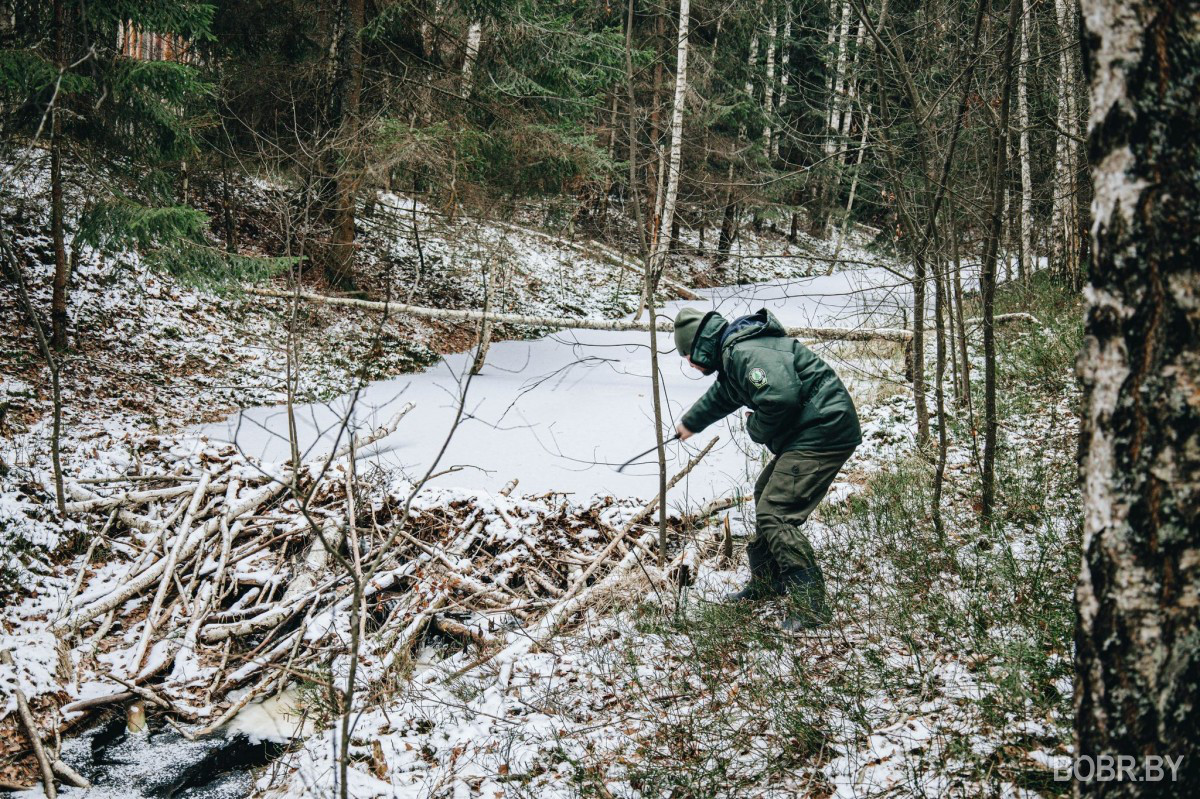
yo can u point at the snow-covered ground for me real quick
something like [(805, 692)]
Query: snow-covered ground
[(563, 412), (618, 690)]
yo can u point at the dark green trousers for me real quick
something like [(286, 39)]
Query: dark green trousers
[(785, 495)]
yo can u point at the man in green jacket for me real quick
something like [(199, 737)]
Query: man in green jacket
[(803, 414)]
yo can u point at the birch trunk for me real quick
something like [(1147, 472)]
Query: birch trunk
[(471, 52), (663, 243), (1137, 690), (485, 326), (1065, 194), (751, 64), (852, 84), (1025, 256), (654, 172), (769, 86), (839, 79), (1006, 237), (824, 187), (892, 334)]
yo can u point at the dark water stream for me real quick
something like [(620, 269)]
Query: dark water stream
[(162, 764)]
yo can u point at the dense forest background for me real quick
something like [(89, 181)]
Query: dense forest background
[(796, 116)]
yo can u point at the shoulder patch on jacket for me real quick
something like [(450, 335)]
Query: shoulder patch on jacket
[(757, 377)]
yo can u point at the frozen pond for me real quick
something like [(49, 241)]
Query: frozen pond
[(562, 412)]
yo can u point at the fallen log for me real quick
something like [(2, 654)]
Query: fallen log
[(147, 578), (168, 572), (134, 498), (463, 633), (82, 705), (710, 509), (999, 319), (572, 322), (31, 731), (69, 775)]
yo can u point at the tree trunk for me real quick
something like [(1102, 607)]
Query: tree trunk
[(851, 93), (939, 475), (490, 285), (862, 148), (58, 302), (1137, 691), (728, 219), (987, 269), (470, 53), (964, 390), (1065, 192), (785, 58), (657, 263), (661, 243), (342, 171), (769, 86), (919, 283), (752, 62), (823, 188), (635, 200), (1025, 260), (654, 181), (837, 87), (1006, 236)]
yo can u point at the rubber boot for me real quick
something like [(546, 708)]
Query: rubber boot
[(805, 588), (764, 575)]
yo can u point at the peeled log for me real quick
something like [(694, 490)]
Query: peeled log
[(577, 322), (148, 577)]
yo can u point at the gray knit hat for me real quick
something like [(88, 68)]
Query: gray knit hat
[(687, 322)]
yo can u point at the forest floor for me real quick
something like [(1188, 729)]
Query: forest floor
[(946, 671)]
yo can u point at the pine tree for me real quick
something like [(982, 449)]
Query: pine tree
[(95, 96)]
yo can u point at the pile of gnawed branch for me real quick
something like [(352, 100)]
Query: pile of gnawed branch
[(223, 581)]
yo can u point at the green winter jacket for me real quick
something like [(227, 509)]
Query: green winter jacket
[(798, 401)]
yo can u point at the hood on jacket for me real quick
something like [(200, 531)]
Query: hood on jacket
[(715, 334), (706, 346)]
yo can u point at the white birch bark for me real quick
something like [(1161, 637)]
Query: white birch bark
[(769, 86), (1026, 256), (1138, 593), (1074, 160), (1063, 151), (581, 323), (474, 37), (662, 242), (839, 77)]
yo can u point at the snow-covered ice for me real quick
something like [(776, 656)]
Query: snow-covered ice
[(562, 412)]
